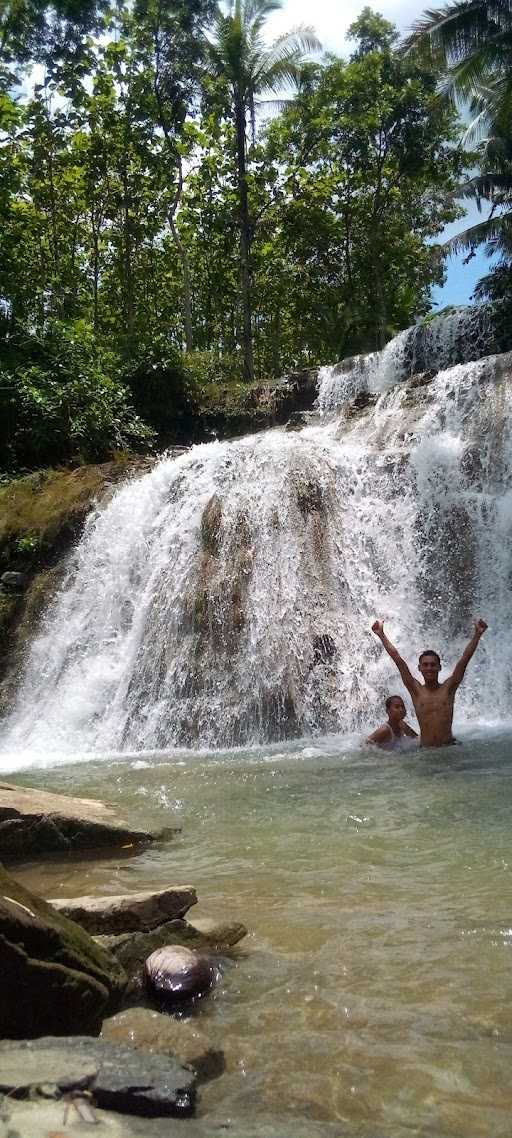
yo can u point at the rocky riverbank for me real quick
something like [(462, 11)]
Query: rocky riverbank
[(75, 967)]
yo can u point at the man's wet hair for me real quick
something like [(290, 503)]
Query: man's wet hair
[(429, 652), (390, 700)]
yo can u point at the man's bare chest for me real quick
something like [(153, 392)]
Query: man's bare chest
[(438, 702)]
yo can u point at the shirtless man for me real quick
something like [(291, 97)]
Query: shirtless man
[(433, 702), (390, 735)]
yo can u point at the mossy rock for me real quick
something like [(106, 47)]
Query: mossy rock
[(43, 512), (41, 515), (54, 979)]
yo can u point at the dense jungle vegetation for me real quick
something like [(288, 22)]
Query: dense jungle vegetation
[(187, 208)]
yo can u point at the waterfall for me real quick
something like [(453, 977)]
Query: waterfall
[(459, 336), (226, 596)]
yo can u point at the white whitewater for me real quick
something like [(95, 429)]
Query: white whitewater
[(460, 336), (226, 597)]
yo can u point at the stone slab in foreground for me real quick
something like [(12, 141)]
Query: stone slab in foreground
[(34, 822), (43, 1117), (128, 913), (118, 1078)]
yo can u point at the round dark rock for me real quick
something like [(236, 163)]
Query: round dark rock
[(174, 974)]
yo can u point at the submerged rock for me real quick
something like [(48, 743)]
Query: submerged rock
[(211, 523), (153, 1031), (129, 912), (54, 978), (119, 1078), (175, 974), (310, 496), (34, 822)]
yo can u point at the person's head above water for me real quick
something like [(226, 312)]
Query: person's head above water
[(430, 666), (395, 708)]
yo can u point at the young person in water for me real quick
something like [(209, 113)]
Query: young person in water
[(391, 734), (433, 702)]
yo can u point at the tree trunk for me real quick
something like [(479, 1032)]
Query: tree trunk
[(245, 242), (185, 263)]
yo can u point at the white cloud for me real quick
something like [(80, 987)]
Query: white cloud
[(331, 18)]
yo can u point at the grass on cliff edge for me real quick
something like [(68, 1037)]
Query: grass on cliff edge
[(37, 509)]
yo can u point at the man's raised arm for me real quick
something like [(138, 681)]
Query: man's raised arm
[(459, 670), (407, 676)]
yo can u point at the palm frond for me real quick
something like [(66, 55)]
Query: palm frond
[(493, 233), (487, 187), (475, 133), (457, 29), (280, 66)]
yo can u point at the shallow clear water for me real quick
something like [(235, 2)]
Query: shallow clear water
[(375, 986)]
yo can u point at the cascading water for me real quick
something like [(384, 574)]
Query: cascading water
[(226, 596), (460, 336)]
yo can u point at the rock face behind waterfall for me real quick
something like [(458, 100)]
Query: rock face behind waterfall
[(226, 596)]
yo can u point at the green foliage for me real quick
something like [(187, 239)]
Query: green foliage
[(60, 401), (156, 248), (471, 44), (26, 546), (162, 391)]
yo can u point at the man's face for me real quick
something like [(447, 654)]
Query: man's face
[(429, 668), (396, 710)]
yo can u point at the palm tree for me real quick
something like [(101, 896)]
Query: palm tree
[(470, 41), (250, 67)]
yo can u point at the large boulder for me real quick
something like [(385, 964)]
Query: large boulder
[(54, 978), (175, 975), (34, 822), (129, 912), (133, 949)]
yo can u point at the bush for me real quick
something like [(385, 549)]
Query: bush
[(61, 399), (163, 391)]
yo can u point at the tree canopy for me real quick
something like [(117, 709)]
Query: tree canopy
[(164, 229)]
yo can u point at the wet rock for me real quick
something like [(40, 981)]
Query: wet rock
[(129, 912), (175, 974), (449, 576), (472, 464), (219, 935), (34, 822), (118, 1078), (133, 949), (211, 526), (324, 649), (39, 1118), (153, 1031), (54, 978), (310, 497), (360, 403), (298, 420), (14, 581)]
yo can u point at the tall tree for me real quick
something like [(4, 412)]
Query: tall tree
[(365, 167), (470, 43), (248, 68)]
